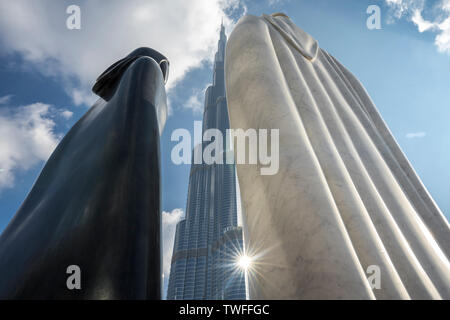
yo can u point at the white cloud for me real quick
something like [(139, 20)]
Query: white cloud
[(5, 99), (442, 40), (185, 31), (82, 96), (420, 22), (27, 137), (440, 23), (402, 7), (274, 2), (412, 135), (169, 224), (66, 114), (194, 102)]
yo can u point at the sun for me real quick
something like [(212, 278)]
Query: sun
[(244, 262)]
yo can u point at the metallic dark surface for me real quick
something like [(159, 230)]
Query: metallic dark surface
[(107, 82), (96, 203)]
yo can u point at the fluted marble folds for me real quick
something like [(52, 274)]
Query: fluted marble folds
[(345, 197), (96, 203)]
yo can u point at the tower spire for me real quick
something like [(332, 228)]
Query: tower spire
[(222, 28)]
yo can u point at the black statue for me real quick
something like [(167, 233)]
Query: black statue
[(96, 203)]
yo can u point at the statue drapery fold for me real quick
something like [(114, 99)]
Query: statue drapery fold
[(345, 198)]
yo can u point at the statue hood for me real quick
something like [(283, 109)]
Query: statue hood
[(299, 39), (107, 82)]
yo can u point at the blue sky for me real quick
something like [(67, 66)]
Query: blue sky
[(46, 71)]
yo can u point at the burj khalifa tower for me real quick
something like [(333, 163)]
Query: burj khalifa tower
[(208, 241)]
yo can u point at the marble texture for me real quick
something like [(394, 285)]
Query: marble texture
[(345, 197)]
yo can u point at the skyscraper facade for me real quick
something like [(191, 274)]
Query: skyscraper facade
[(208, 241)]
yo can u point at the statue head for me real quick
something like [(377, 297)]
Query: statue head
[(107, 82)]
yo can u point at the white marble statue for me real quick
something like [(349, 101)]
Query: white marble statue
[(346, 202)]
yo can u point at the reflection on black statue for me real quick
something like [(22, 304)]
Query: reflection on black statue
[(96, 203)]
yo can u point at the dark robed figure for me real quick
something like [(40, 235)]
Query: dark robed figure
[(96, 204)]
